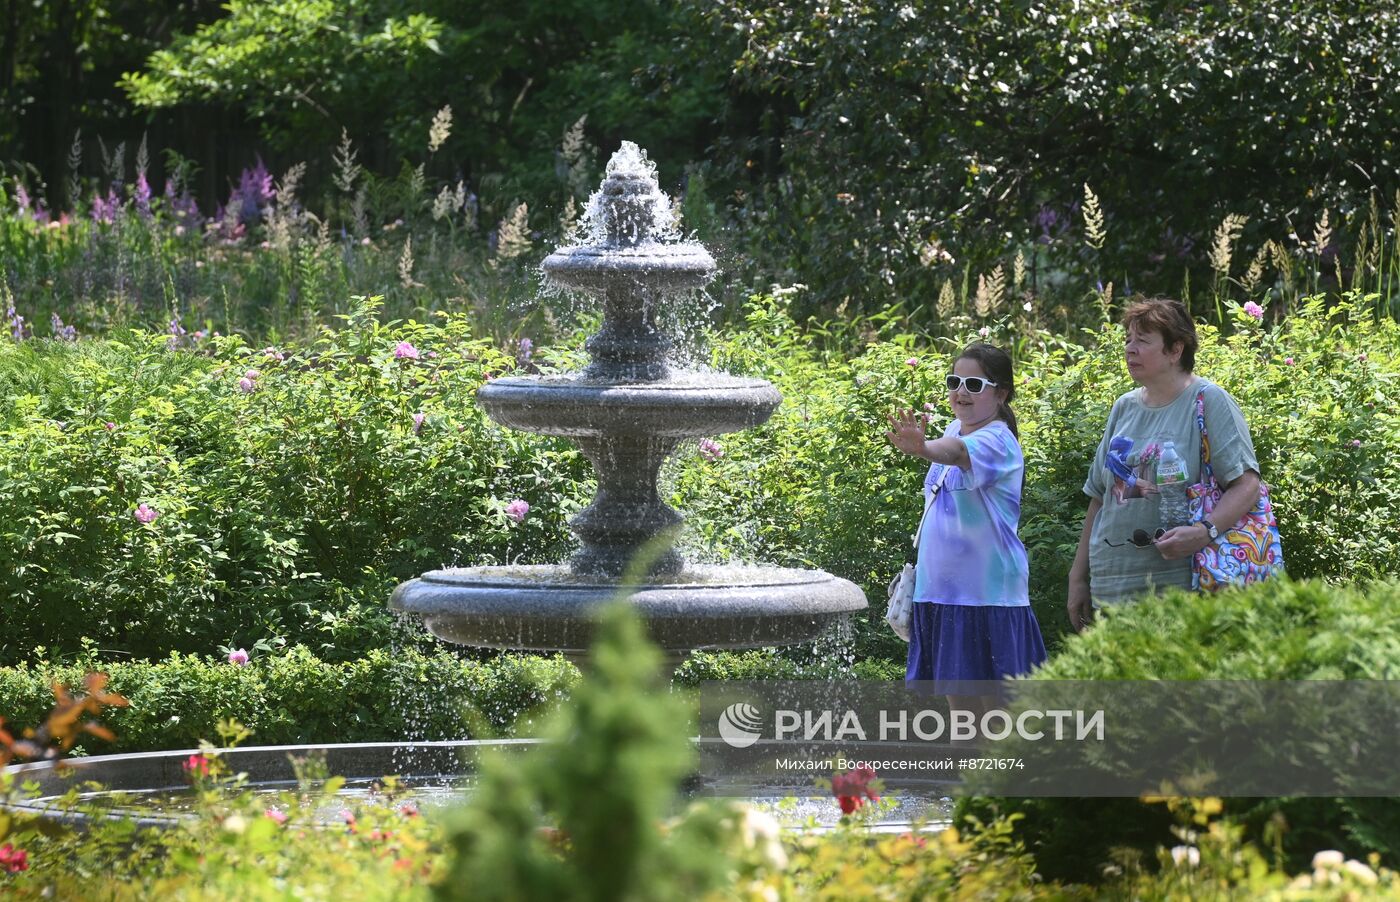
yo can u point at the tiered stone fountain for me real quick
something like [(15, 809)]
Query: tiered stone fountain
[(628, 411)]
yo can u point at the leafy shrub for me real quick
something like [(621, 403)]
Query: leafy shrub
[(818, 485), (1274, 631), (292, 510), (285, 504), (296, 698)]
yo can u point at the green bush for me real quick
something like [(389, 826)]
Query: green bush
[(291, 511), (1274, 631), (280, 277), (295, 698), (818, 485)]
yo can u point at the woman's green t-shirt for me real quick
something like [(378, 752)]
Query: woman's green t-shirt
[(1120, 573)]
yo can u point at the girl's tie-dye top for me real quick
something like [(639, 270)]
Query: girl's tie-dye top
[(969, 553)]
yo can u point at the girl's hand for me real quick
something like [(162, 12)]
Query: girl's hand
[(907, 431)]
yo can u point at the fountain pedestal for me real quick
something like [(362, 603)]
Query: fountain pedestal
[(628, 411)]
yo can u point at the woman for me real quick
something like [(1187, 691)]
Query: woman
[(971, 616), (1124, 550)]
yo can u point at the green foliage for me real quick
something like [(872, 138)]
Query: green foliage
[(265, 55), (1274, 631), (306, 68), (592, 815), (295, 698), (289, 510), (913, 131), (234, 843), (598, 792)]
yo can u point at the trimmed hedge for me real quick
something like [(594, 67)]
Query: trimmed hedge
[(289, 698), (1273, 631)]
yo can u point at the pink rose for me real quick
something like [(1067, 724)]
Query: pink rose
[(517, 510), (13, 859), (196, 765), (247, 386), (1254, 310), (239, 657), (405, 351), (277, 817), (912, 361), (145, 514)]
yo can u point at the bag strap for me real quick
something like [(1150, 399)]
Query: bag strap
[(1207, 473), (913, 556)]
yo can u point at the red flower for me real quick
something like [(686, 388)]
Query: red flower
[(196, 765), (853, 788), (13, 860)]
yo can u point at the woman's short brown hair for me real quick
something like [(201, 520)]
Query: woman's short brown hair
[(1169, 319)]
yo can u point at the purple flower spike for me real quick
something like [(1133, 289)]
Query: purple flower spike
[(60, 331), (418, 419), (143, 194), (253, 195), (16, 323)]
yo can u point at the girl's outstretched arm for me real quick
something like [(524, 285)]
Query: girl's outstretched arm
[(908, 431)]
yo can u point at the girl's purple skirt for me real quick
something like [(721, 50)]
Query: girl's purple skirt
[(952, 643)]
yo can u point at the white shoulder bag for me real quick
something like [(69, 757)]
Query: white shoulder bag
[(901, 590)]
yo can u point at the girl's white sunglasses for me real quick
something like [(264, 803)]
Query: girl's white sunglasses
[(973, 384)]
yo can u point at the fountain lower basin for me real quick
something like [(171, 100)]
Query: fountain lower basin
[(549, 608), (151, 789)]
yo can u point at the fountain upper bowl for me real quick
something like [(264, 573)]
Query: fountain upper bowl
[(655, 264)]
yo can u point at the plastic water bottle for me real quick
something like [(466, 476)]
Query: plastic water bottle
[(1171, 484)]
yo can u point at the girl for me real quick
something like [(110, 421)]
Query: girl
[(972, 618)]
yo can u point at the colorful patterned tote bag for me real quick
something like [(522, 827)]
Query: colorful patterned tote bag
[(1249, 551)]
